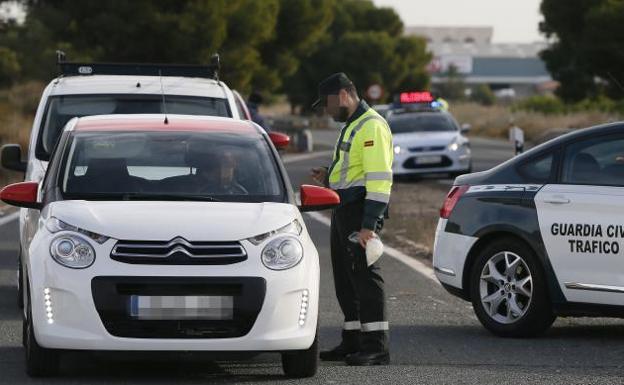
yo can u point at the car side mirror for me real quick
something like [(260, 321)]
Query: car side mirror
[(315, 198), (280, 140), (23, 194), (12, 158), (465, 128)]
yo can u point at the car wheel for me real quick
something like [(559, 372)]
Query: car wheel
[(40, 362), (508, 290), (301, 363)]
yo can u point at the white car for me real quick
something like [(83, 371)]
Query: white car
[(540, 235), (168, 235), (428, 142), (97, 89)]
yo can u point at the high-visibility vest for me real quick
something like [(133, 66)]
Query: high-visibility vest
[(364, 158)]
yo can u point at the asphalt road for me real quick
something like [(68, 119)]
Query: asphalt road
[(435, 339)]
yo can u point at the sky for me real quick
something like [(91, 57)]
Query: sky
[(514, 21)]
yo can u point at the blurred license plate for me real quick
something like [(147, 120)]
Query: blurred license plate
[(182, 307), (428, 159)]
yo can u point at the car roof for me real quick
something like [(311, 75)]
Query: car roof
[(137, 84), (504, 172), (156, 122)]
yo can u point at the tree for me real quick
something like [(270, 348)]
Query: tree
[(9, 67), (587, 36), (367, 44), (166, 31)]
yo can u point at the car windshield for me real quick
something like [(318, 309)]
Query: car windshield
[(421, 122), (210, 166), (61, 109)]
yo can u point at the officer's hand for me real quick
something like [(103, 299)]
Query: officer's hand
[(365, 235), (318, 174)]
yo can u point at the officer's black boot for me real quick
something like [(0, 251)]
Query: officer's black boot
[(350, 344), (374, 350)]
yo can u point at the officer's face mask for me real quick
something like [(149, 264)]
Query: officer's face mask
[(335, 110)]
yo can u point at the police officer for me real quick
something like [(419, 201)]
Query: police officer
[(361, 173)]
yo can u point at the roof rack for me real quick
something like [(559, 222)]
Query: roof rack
[(210, 71)]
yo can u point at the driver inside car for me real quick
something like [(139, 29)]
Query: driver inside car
[(216, 174)]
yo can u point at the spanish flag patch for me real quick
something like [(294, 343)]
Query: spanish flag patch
[(369, 143)]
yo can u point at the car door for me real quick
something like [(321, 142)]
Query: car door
[(581, 219)]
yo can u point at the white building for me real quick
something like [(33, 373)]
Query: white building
[(509, 69)]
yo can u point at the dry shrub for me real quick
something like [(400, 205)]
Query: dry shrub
[(493, 121), (25, 97), (17, 110)]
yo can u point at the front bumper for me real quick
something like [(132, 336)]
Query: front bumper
[(406, 162), (89, 311)]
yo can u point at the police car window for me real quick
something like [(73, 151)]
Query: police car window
[(597, 161), (61, 109), (537, 170), (224, 166), (420, 122)]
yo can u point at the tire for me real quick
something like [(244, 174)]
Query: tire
[(301, 363), (508, 290), (40, 362)]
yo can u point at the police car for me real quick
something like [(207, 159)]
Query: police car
[(540, 235), (427, 139), (177, 233)]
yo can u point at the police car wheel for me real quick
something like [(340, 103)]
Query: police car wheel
[(508, 290), (301, 363)]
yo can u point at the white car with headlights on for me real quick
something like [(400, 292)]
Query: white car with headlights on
[(168, 235), (428, 141)]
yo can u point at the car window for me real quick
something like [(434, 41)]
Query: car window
[(223, 166), (242, 110), (61, 109), (421, 122), (537, 170), (598, 161)]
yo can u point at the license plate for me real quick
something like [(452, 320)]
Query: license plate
[(182, 307), (428, 159)]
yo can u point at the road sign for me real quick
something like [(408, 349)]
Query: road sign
[(374, 92)]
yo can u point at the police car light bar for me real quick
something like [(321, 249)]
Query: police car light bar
[(415, 97), (210, 71)]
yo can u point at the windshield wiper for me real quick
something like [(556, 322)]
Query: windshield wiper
[(168, 197)]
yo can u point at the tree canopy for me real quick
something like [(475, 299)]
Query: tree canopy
[(271, 45), (586, 55)]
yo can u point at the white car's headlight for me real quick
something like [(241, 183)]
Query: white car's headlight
[(454, 145), (397, 150), (72, 251), (282, 253), (293, 227), (54, 225)]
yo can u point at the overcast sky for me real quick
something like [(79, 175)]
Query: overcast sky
[(513, 20)]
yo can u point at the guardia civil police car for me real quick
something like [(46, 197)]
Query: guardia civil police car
[(158, 234), (427, 139), (540, 235)]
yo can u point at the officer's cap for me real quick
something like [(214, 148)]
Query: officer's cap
[(332, 86)]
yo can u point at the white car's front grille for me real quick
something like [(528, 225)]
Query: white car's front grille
[(178, 251)]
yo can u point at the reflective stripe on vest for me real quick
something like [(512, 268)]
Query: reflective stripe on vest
[(344, 166)]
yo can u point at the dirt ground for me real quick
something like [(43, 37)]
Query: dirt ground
[(414, 213)]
